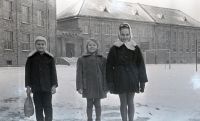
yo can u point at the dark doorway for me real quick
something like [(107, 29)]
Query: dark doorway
[(69, 49)]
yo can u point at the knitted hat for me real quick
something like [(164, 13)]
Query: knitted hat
[(40, 38)]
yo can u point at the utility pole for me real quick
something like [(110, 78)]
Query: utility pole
[(196, 55)]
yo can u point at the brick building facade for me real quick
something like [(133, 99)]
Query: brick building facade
[(164, 35), (20, 22)]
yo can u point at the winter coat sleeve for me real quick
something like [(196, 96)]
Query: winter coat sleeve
[(141, 67), (105, 86), (110, 69), (54, 80), (27, 73), (79, 75)]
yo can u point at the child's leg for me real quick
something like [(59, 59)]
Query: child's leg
[(37, 98), (97, 104), (131, 109), (89, 109), (123, 106), (47, 105)]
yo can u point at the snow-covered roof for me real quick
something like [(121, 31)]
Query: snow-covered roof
[(129, 11), (170, 16)]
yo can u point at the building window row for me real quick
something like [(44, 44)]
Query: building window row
[(8, 10), (179, 41), (8, 41)]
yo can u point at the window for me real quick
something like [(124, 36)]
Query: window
[(160, 16), (106, 10), (198, 41), (8, 40), (188, 42), (181, 39), (85, 29), (9, 62), (198, 45), (97, 29), (168, 39), (174, 41), (106, 29), (144, 45), (25, 44), (40, 18), (25, 14), (135, 12), (184, 19), (193, 44), (115, 29), (7, 8)]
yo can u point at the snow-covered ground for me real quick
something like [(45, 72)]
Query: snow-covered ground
[(170, 95)]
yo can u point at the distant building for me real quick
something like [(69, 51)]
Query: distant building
[(165, 35), (20, 22)]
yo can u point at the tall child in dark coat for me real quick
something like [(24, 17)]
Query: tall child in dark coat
[(90, 78), (41, 79), (125, 71)]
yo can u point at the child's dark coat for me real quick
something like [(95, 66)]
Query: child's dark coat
[(125, 70), (40, 72)]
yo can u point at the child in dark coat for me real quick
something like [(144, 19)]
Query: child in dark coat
[(41, 79), (125, 71), (90, 78)]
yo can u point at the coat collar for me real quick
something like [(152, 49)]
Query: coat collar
[(87, 54), (35, 51), (130, 45)]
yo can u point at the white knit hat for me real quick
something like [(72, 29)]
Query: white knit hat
[(41, 38)]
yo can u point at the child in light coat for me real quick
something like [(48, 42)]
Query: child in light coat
[(90, 78)]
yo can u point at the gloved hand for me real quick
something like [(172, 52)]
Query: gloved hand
[(53, 89), (142, 86), (28, 90)]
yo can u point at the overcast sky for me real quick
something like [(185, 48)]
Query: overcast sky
[(190, 7)]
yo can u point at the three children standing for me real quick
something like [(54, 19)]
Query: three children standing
[(123, 73)]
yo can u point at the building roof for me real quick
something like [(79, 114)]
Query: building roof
[(129, 11), (170, 16)]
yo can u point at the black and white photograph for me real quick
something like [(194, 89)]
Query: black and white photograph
[(99, 60)]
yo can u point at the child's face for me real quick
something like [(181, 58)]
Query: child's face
[(40, 45), (92, 47), (125, 35)]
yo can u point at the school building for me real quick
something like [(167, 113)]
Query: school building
[(164, 35), (20, 22)]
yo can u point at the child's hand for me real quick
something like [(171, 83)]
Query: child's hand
[(142, 86), (53, 90), (80, 91), (28, 90)]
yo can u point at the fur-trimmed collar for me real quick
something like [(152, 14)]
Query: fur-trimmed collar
[(130, 45), (34, 51)]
